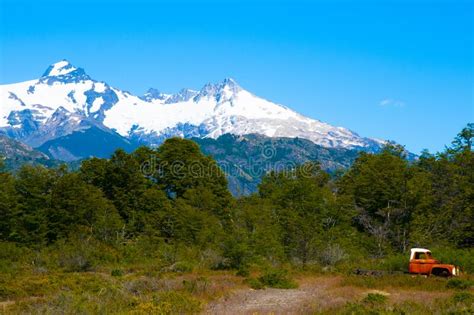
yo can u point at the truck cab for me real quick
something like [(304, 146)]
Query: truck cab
[(422, 262)]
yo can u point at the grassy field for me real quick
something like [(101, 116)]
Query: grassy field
[(153, 289), (90, 278)]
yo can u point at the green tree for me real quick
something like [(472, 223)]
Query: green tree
[(76, 204), (94, 171), (124, 183), (443, 187), (121, 181), (303, 203), (377, 186), (155, 216), (9, 200), (257, 224), (33, 185), (463, 141), (184, 172)]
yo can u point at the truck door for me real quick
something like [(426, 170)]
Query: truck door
[(421, 263)]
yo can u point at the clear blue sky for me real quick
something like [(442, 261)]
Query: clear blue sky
[(393, 69)]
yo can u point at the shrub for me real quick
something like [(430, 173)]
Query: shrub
[(81, 253), (375, 299), (116, 273), (12, 252), (196, 286), (463, 297), (332, 255), (277, 279), (243, 271), (236, 253), (175, 303), (255, 284), (12, 257), (460, 284), (76, 262), (180, 266), (214, 260), (398, 262)]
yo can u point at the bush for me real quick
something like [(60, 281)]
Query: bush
[(395, 263), (375, 299), (332, 255), (214, 260), (243, 271), (81, 253), (180, 266), (460, 284), (277, 279), (255, 284), (76, 262), (463, 297), (116, 273), (172, 303), (196, 286), (12, 257), (12, 252), (237, 254)]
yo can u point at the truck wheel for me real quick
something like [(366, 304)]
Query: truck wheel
[(444, 273), (441, 272)]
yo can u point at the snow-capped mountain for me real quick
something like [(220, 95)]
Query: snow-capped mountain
[(65, 100)]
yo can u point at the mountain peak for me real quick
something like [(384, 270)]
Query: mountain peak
[(230, 82), (229, 87), (183, 95), (222, 91), (153, 94), (65, 72), (59, 68)]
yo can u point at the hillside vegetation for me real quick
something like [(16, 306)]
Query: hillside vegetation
[(157, 231), (245, 159)]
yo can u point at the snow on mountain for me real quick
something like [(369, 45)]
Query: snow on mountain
[(65, 99), (62, 67)]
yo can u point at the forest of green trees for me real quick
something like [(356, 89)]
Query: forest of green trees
[(172, 203)]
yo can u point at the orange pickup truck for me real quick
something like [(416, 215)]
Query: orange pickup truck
[(422, 262)]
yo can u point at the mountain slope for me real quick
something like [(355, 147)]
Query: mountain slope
[(245, 159), (90, 142), (16, 154), (65, 100)]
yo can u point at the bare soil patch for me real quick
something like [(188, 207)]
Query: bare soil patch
[(312, 295)]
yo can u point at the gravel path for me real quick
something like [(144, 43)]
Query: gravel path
[(313, 295)]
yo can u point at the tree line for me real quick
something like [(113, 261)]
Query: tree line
[(176, 196)]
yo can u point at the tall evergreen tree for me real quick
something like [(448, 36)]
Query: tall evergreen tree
[(303, 205), (33, 185), (8, 203), (184, 172), (76, 204), (377, 185)]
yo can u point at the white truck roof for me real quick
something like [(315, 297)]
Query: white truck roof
[(418, 250), (423, 250)]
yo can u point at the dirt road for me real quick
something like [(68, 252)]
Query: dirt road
[(312, 295)]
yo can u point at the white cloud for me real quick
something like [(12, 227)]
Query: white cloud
[(390, 102)]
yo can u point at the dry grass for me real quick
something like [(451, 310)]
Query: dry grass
[(218, 292), (338, 295), (100, 292)]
